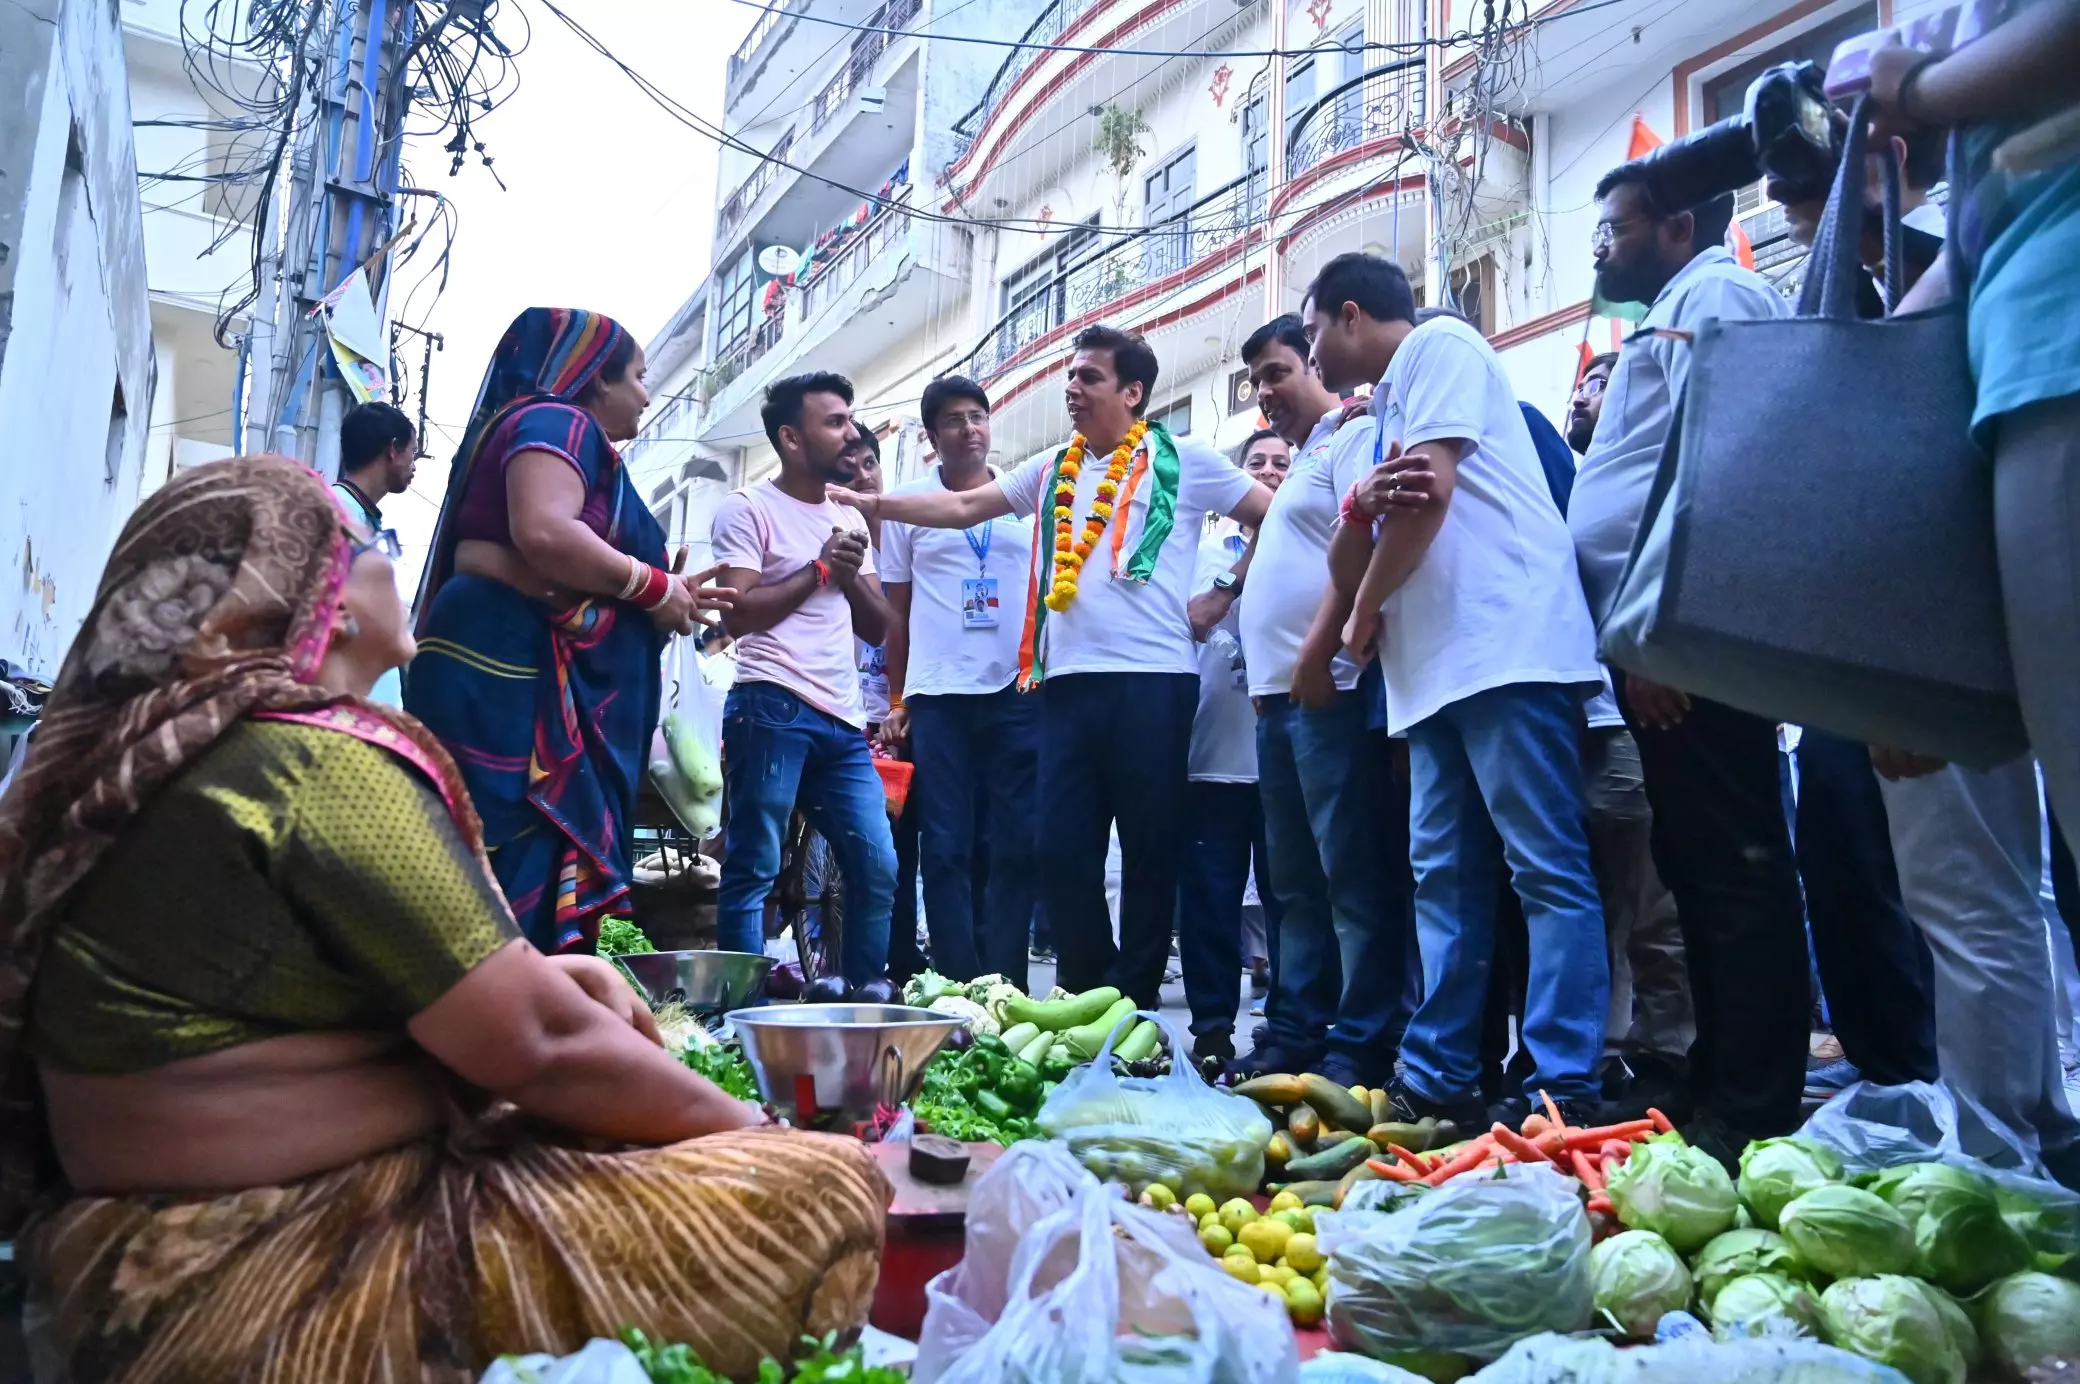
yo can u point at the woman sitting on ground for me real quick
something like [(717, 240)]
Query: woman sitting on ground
[(254, 970)]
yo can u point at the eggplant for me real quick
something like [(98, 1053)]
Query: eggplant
[(784, 982), (881, 991), (960, 1040), (827, 990)]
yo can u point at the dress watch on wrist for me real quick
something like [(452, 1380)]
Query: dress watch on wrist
[(1228, 582)]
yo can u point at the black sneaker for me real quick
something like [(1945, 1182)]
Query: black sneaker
[(1511, 1111), (1468, 1116), (1266, 1059), (1341, 1070), (1213, 1050), (1718, 1138)]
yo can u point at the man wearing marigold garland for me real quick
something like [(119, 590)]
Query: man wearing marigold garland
[(1108, 640)]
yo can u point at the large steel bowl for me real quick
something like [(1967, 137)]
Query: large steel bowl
[(816, 1059), (706, 982)]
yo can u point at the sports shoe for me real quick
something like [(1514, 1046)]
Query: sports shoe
[(1829, 1080), (1042, 954), (1718, 1138), (1265, 1059), (1469, 1116), (1341, 1070)]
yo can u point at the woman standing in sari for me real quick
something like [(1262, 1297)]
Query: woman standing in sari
[(287, 1096), (542, 618)]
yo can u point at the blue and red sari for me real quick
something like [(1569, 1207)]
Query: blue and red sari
[(548, 712)]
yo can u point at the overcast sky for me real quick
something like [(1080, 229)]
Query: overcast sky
[(609, 202)]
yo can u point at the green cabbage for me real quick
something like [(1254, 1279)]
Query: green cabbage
[(1636, 1278), (1962, 1242), (1846, 1232), (1913, 1188), (1764, 1304), (1740, 1252), (2029, 1318), (1892, 1319), (1774, 1172), (1678, 1192), (1963, 1334)]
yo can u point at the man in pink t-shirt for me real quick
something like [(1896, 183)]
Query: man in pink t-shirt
[(792, 730)]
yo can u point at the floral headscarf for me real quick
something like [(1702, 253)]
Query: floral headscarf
[(218, 601)]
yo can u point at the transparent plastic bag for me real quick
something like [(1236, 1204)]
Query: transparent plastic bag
[(1469, 1269), (1104, 1292), (1341, 1367), (1173, 1129), (1591, 1360), (686, 751), (1028, 1183), (600, 1362), (1876, 1127)]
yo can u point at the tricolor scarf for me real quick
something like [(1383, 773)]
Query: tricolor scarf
[(1158, 454)]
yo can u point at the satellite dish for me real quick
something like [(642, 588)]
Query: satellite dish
[(780, 261)]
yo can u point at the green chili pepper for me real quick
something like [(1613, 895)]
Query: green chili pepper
[(992, 1106)]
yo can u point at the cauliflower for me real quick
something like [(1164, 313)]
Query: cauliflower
[(926, 986), (974, 1015), (997, 997)]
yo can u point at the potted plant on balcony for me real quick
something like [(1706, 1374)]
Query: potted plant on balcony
[(1120, 129)]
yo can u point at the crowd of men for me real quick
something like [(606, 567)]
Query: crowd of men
[(1359, 661)]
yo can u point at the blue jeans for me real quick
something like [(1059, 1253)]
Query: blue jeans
[(1340, 982), (1227, 828), (1497, 778), (778, 749), (978, 756)]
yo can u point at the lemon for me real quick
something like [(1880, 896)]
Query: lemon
[(1216, 1239), (1277, 1273), (1303, 1301), (1265, 1239), (1295, 1219), (1212, 1218), (1285, 1201), (1277, 1293), (1240, 1268), (1303, 1254), (1200, 1206), (1236, 1214), (1320, 1278), (1159, 1196), (1239, 1252)]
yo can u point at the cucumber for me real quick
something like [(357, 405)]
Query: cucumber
[(1019, 1037), (1332, 1163), (1085, 1040), (1035, 1050), (1140, 1043), (1058, 1015)]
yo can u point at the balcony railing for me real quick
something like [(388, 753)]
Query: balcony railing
[(761, 30), (1048, 28), (745, 352), (896, 14), (1201, 230), (740, 202), (1373, 105), (875, 239)]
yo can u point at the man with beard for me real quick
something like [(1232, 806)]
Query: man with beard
[(1585, 405), (1721, 842), (1106, 628), (792, 726)]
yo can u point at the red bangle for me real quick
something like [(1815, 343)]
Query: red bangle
[(823, 571), (1350, 512), (656, 587)]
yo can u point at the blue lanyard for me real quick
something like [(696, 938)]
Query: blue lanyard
[(981, 550)]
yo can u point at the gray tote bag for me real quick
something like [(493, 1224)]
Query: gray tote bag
[(1818, 545)]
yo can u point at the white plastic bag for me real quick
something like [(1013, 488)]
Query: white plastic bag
[(1468, 1269), (1028, 1183), (1545, 1359), (1173, 1129), (1104, 1292), (600, 1362), (686, 751)]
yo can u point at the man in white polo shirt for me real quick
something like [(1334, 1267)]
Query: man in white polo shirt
[(1106, 628), (1475, 610), (958, 601)]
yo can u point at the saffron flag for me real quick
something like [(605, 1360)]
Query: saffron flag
[(1644, 141)]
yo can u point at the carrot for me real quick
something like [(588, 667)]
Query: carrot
[(1587, 1170), (1392, 1172), (1601, 1202), (1552, 1110), (1414, 1160), (1524, 1149), (1615, 1150), (1661, 1122), (1592, 1138), (1472, 1156), (1536, 1124)]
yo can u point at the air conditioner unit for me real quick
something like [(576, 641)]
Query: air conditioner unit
[(872, 99), (1241, 393)]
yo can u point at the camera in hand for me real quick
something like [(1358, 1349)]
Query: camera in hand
[(1787, 131)]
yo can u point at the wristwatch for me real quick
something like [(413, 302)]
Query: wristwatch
[(1227, 582)]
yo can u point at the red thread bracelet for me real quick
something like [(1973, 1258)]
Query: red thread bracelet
[(656, 588), (1350, 512), (823, 571)]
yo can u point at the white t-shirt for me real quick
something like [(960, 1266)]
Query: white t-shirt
[(1496, 600), (872, 660), (1224, 730), (1611, 485), (811, 652), (1115, 624), (954, 650), (1290, 573)]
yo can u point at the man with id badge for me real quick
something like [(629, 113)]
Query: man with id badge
[(956, 596)]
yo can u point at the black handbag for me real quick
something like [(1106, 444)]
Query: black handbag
[(1818, 544)]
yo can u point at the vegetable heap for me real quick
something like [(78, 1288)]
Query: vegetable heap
[(725, 1065), (677, 1364), (981, 1094), (620, 937)]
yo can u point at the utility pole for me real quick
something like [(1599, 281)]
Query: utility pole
[(340, 211)]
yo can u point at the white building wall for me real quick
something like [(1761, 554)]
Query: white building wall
[(77, 330)]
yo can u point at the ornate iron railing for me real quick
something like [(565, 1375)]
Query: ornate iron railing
[(747, 193), (1086, 286), (1385, 101), (896, 14), (1052, 23)]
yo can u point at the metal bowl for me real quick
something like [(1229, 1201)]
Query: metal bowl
[(846, 1058), (706, 982)]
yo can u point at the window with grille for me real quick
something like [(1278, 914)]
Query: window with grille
[(733, 318)]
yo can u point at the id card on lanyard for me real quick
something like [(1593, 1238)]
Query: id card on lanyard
[(979, 607)]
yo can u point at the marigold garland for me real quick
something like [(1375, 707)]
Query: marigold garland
[(1070, 552)]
